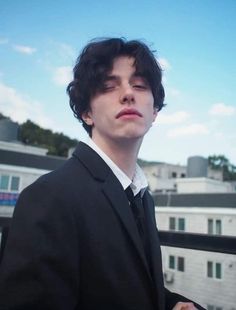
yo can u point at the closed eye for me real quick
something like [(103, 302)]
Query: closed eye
[(140, 86), (109, 84), (108, 87), (139, 82)]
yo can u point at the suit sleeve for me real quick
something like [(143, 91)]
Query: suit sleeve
[(172, 299), (40, 263)]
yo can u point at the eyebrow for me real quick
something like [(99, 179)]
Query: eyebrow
[(116, 77)]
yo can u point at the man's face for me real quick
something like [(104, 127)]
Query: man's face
[(124, 108)]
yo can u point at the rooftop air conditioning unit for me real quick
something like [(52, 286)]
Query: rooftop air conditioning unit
[(169, 276)]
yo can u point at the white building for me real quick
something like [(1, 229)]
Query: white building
[(206, 277), (162, 177), (21, 165), (203, 185)]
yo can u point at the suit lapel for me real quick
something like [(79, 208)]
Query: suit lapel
[(118, 200), (115, 194)]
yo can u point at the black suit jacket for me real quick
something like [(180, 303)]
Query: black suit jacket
[(74, 244)]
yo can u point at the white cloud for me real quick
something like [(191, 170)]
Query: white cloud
[(190, 130), (24, 49), (20, 108), (173, 93), (59, 53), (67, 50), (164, 63), (221, 109), (174, 118), (62, 76)]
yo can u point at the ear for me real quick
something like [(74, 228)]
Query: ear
[(155, 112), (87, 118)]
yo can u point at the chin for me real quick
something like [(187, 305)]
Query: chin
[(133, 135)]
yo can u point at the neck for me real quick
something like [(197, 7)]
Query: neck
[(123, 153)]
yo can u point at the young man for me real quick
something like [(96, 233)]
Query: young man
[(76, 241)]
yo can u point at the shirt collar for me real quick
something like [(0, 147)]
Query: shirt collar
[(139, 182)]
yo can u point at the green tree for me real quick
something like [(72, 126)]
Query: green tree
[(3, 116), (220, 162), (56, 143)]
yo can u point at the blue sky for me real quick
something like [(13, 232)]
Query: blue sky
[(194, 42)]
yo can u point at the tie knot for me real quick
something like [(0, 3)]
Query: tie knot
[(130, 195)]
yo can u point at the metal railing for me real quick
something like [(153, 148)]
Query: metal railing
[(194, 241), (201, 242)]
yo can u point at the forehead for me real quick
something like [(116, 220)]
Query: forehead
[(123, 65)]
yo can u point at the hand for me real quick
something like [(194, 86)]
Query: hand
[(184, 306)]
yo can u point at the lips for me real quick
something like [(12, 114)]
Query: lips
[(128, 112)]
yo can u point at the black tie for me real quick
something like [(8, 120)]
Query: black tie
[(138, 212)]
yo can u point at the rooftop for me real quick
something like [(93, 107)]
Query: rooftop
[(210, 200)]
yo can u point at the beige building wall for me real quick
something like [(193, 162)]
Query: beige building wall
[(194, 282)]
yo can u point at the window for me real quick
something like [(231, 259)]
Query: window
[(180, 263), (4, 182), (9, 183), (172, 223), (174, 175), (171, 262), (218, 227), (214, 226), (210, 269), (210, 226), (177, 223), (214, 270), (218, 271), (181, 224), (211, 307), (15, 181)]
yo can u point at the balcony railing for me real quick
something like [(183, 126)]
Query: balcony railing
[(202, 242)]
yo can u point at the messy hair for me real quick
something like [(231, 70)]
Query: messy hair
[(96, 61)]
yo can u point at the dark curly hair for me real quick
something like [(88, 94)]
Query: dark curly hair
[(96, 61)]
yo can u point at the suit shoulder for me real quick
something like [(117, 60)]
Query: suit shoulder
[(58, 179), (72, 178)]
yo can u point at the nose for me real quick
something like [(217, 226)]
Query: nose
[(127, 95)]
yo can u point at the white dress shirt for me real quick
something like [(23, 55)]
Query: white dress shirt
[(139, 182)]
